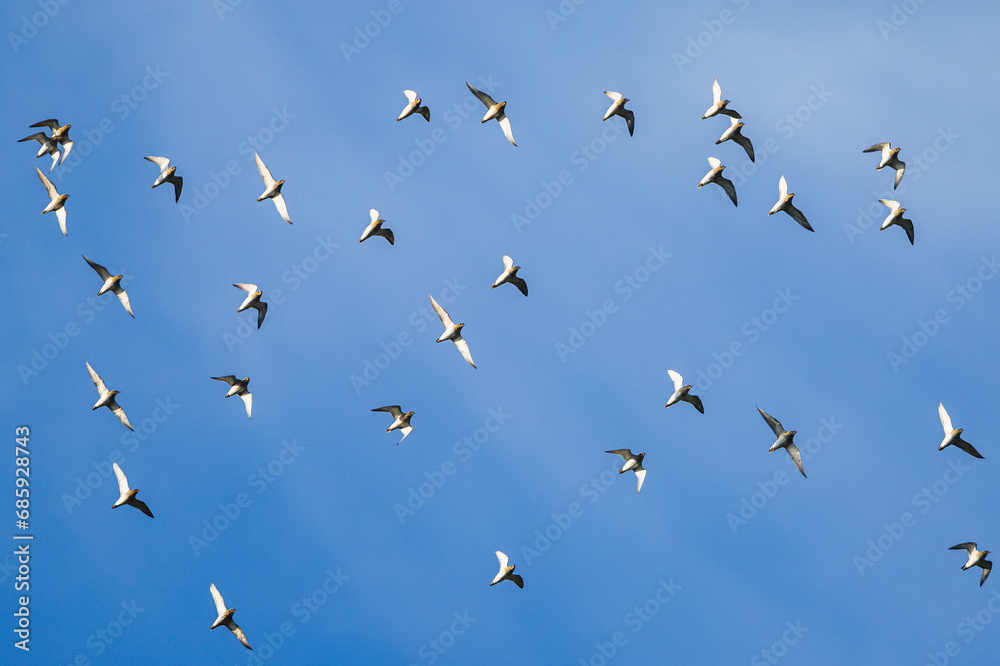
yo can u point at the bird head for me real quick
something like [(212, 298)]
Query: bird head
[(258, 293), (408, 415), (791, 433), (117, 278), (459, 327), (113, 393)]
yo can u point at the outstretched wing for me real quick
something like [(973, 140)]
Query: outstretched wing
[(793, 451), (505, 125), (463, 347), (122, 481), (773, 422), (101, 270), (624, 453), (279, 203), (483, 97), (945, 419), (392, 409), (677, 379), (98, 382), (49, 187), (967, 546), (442, 315), (162, 162), (878, 147), (220, 605), (264, 173), (503, 559)]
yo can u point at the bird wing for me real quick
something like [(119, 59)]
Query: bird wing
[(967, 546), (797, 215), (728, 186), (139, 504), (425, 112), (945, 419), (374, 215), (503, 560), (519, 283), (261, 311), (123, 297), (483, 97), (162, 162), (505, 124), (410, 95), (120, 413), (516, 578), (987, 565), (51, 123), (98, 382), (101, 270), (508, 263), (178, 184), (714, 162), (640, 475), (629, 120), (968, 448), (893, 205), (220, 605), (67, 146), (677, 379), (229, 379), (773, 422), (392, 409), (878, 147), (908, 227), (279, 203), (49, 187), (696, 401), (442, 315), (264, 173), (40, 137), (744, 142), (406, 430), (613, 95), (782, 188), (624, 453), (793, 451), (246, 286), (235, 628), (463, 347), (122, 481), (247, 400), (61, 216), (716, 92), (899, 174)]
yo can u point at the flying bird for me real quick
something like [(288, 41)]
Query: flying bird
[(977, 558), (509, 276), (735, 133), (272, 189), (226, 618), (374, 228), (785, 204), (401, 422), (719, 104), (60, 136), (682, 392), (167, 175), (715, 176), (784, 441), (48, 147), (452, 331), (414, 107), (128, 495), (111, 283), (506, 572), (494, 112), (617, 108), (107, 398), (890, 158), (238, 387), (252, 301), (953, 436), (57, 202), (632, 462), (896, 217)]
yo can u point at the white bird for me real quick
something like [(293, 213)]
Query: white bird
[(167, 175), (509, 276), (374, 228), (735, 133), (452, 331), (238, 387), (977, 558), (128, 495), (401, 422), (414, 107), (632, 462), (785, 204), (57, 202), (272, 189), (226, 618), (715, 176), (784, 441), (896, 217), (890, 158), (953, 436), (617, 108), (48, 147), (107, 398), (60, 136), (682, 392), (506, 572), (252, 301), (719, 104), (111, 283), (495, 111)]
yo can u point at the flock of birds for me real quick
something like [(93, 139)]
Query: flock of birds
[(59, 145)]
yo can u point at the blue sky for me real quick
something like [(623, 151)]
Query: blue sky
[(349, 549)]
